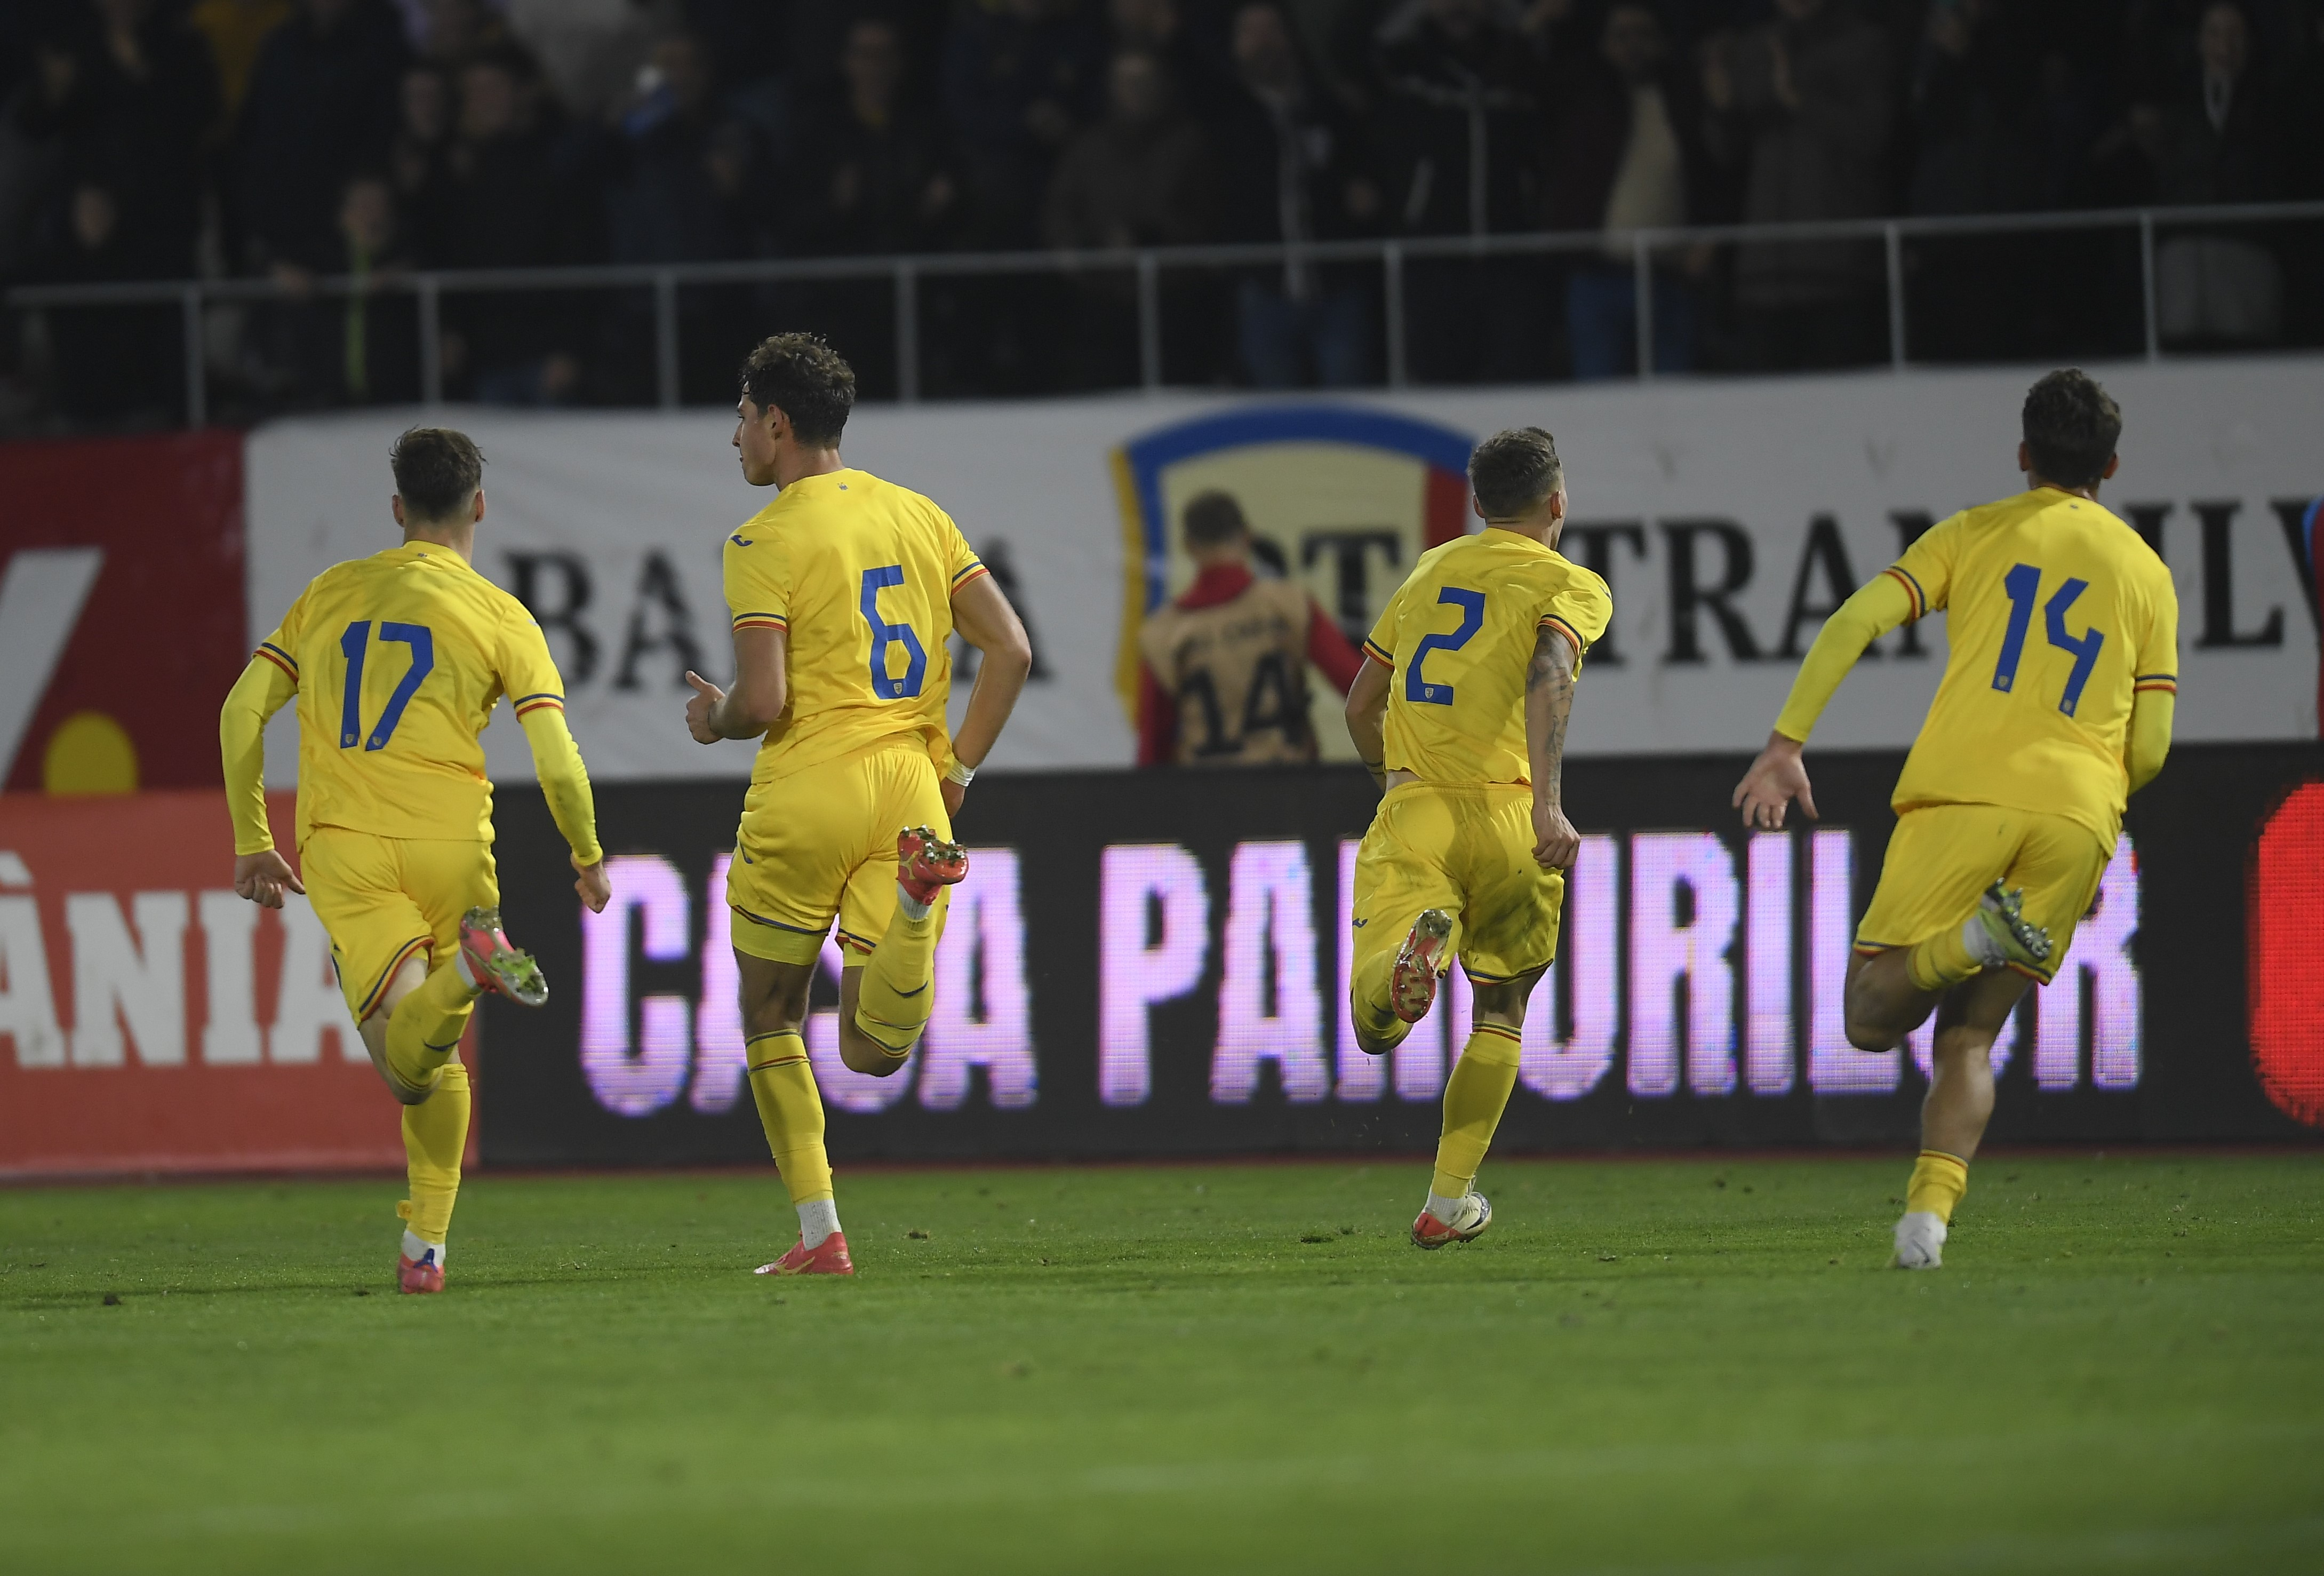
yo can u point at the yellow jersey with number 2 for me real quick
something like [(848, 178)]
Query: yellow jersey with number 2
[(2058, 613), (1460, 635), (860, 574), (399, 659)]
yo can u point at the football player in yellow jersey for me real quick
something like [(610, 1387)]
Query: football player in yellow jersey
[(2055, 707), (1461, 710), (397, 661), (846, 591)]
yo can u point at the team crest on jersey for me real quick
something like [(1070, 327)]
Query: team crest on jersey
[(1342, 498)]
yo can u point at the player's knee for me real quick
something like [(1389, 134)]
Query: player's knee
[(862, 1054), (1867, 1034)]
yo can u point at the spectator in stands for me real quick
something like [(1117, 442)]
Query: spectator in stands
[(322, 102), (1626, 154), (1159, 28), (129, 95), (419, 163), (236, 31), (110, 363), (1020, 76), (2218, 140), (1139, 178), (686, 184), (1976, 91), (1459, 132), (507, 209), (362, 348), (878, 175), (1805, 108), (1292, 165), (1223, 679)]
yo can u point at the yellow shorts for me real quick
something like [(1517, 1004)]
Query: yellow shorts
[(1468, 850), (1942, 857), (822, 842), (383, 900)]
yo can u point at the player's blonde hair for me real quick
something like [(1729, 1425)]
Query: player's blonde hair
[(1514, 470)]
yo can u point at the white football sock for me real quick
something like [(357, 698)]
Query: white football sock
[(415, 1249), (1980, 943), (911, 907), (1446, 1210), (468, 973), (818, 1218)]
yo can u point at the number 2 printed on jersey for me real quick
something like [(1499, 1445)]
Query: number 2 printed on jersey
[(353, 645), (1417, 687), (2023, 585)]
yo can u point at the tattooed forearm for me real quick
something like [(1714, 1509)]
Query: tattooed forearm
[(1548, 706)]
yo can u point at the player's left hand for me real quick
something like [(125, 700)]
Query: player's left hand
[(706, 699), (954, 793), (595, 888), (262, 878), (1555, 842)]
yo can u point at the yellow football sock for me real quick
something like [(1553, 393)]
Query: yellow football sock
[(1939, 960), (424, 1030), (435, 1137), (790, 1108), (1368, 1002), (891, 1004), (1474, 1097), (1938, 1180)]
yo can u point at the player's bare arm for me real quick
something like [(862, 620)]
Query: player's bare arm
[(760, 692), (1367, 712), (1548, 708), (982, 614)]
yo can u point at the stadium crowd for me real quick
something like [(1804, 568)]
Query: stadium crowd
[(166, 139)]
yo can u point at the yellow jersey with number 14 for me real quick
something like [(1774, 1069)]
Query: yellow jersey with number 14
[(2058, 614), (399, 659), (1460, 635), (860, 574)]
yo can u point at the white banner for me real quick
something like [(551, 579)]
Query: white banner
[(1729, 516)]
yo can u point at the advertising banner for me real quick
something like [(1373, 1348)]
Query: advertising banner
[(122, 624), (151, 1019), (1154, 963), (1729, 517)]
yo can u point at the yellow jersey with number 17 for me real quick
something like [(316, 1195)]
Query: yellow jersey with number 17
[(2058, 613), (1460, 635), (399, 659), (860, 574)]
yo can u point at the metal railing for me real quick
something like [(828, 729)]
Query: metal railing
[(908, 274)]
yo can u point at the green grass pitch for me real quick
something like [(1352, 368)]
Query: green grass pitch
[(1646, 1366)]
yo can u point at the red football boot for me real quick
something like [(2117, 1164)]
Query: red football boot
[(419, 1276), (1412, 982), (828, 1257), (500, 966), (925, 863)]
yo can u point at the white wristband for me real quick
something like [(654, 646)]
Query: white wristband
[(961, 773)]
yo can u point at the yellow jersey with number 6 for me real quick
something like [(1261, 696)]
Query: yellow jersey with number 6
[(860, 574), (399, 659), (1460, 635), (2058, 614)]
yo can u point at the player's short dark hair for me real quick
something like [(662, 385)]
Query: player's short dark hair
[(437, 471), (1514, 470), (806, 379), (1212, 518), (2071, 426)]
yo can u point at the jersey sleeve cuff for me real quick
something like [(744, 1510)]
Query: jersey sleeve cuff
[(1372, 649), (1920, 598)]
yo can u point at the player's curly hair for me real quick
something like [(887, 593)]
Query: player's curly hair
[(437, 471), (2071, 426), (1514, 470), (806, 379)]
